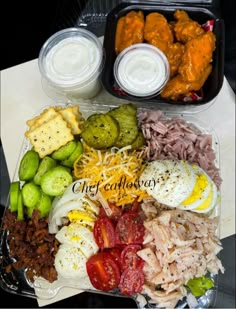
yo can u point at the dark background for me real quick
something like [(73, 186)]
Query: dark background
[(25, 26)]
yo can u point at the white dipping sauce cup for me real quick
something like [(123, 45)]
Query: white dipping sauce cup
[(141, 70), (70, 62)]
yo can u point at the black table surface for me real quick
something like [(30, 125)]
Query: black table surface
[(28, 25)]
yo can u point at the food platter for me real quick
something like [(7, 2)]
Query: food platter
[(16, 282)]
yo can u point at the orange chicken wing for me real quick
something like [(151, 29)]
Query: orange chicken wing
[(174, 55), (177, 88), (197, 55), (129, 30), (157, 31), (185, 28)]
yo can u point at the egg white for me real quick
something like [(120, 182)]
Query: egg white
[(59, 212), (174, 181), (70, 263), (78, 236)]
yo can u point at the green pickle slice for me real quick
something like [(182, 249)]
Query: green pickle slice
[(100, 131), (56, 180), (139, 141), (126, 116), (28, 165)]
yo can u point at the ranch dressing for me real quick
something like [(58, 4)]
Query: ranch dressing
[(141, 70), (71, 62)]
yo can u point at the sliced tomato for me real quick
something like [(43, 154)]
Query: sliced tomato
[(104, 233), (131, 281), (130, 259), (130, 229), (103, 271), (116, 254)]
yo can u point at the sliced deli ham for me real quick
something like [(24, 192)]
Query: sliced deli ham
[(176, 139)]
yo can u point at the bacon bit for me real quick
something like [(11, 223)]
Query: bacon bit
[(31, 245)]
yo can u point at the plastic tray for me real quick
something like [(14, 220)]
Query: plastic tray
[(214, 82), (16, 282)]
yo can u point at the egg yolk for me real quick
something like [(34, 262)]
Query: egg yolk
[(80, 216), (200, 185), (207, 202)]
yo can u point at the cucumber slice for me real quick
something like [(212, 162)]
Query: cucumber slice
[(139, 141), (74, 156), (31, 194), (20, 208), (14, 194), (44, 205), (45, 165), (28, 165), (101, 131), (65, 151), (126, 116), (55, 181)]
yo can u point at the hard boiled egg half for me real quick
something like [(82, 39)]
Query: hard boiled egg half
[(177, 183)]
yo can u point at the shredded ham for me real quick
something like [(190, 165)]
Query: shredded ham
[(178, 246), (176, 139)]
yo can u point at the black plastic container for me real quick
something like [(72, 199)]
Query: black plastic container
[(198, 13)]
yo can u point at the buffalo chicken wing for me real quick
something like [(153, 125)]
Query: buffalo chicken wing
[(185, 28), (129, 30)]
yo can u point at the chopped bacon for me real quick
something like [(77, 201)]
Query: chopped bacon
[(31, 245)]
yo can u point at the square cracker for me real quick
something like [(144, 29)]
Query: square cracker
[(45, 116), (50, 136), (72, 115)]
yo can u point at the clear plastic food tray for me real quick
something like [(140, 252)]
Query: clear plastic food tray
[(16, 282)]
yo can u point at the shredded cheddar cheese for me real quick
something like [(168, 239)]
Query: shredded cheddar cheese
[(114, 172)]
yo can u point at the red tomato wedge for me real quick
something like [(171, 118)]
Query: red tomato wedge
[(130, 259), (129, 229), (115, 253), (103, 271), (104, 233), (131, 281)]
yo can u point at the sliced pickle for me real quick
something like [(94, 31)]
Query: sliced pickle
[(126, 116), (139, 141), (100, 131)]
